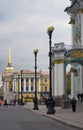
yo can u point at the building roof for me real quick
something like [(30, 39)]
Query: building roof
[(45, 73)]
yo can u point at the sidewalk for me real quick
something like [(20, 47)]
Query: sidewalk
[(63, 115)]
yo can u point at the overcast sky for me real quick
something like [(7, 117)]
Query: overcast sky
[(23, 27)]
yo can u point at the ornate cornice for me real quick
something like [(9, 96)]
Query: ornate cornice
[(59, 61), (76, 53)]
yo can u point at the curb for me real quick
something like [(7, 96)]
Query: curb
[(57, 119)]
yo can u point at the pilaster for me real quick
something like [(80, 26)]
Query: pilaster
[(58, 60), (81, 79), (14, 85), (72, 85), (19, 85), (81, 17), (29, 85), (24, 85), (5, 87)]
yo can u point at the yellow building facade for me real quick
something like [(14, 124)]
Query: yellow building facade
[(21, 84)]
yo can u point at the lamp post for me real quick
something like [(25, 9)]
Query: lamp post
[(50, 101), (21, 90), (18, 88), (14, 85), (35, 98)]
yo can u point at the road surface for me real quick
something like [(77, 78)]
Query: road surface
[(18, 118)]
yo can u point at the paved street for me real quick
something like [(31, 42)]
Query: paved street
[(65, 116), (19, 118)]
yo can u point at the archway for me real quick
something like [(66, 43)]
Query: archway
[(61, 57), (75, 57)]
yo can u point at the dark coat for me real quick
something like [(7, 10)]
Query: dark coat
[(73, 103)]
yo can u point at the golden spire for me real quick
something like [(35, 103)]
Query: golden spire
[(9, 67), (9, 58)]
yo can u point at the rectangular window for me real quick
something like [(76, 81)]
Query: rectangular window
[(22, 79), (22, 88), (45, 88), (27, 80), (45, 80), (31, 80), (27, 88), (31, 88)]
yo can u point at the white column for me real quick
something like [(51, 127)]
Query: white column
[(5, 88), (19, 85), (81, 79), (81, 15), (39, 85), (56, 86), (72, 85), (78, 84), (24, 85), (59, 80), (13, 86), (76, 87), (29, 85)]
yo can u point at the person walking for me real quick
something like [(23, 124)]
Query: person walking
[(0, 102), (5, 103), (81, 95), (73, 103)]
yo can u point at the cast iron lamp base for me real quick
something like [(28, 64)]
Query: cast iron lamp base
[(35, 104), (50, 106)]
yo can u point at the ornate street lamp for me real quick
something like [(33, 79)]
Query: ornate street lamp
[(21, 89), (35, 98), (18, 88), (50, 101)]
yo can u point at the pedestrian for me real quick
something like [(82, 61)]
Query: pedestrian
[(5, 103), (46, 102), (0, 102), (78, 96), (14, 102), (73, 103), (81, 95)]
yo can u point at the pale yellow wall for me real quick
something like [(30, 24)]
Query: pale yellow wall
[(43, 83)]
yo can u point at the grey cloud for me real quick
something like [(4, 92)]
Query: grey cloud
[(23, 26)]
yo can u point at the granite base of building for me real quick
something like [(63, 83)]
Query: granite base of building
[(61, 101)]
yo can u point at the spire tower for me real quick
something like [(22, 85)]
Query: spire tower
[(9, 58), (9, 67)]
